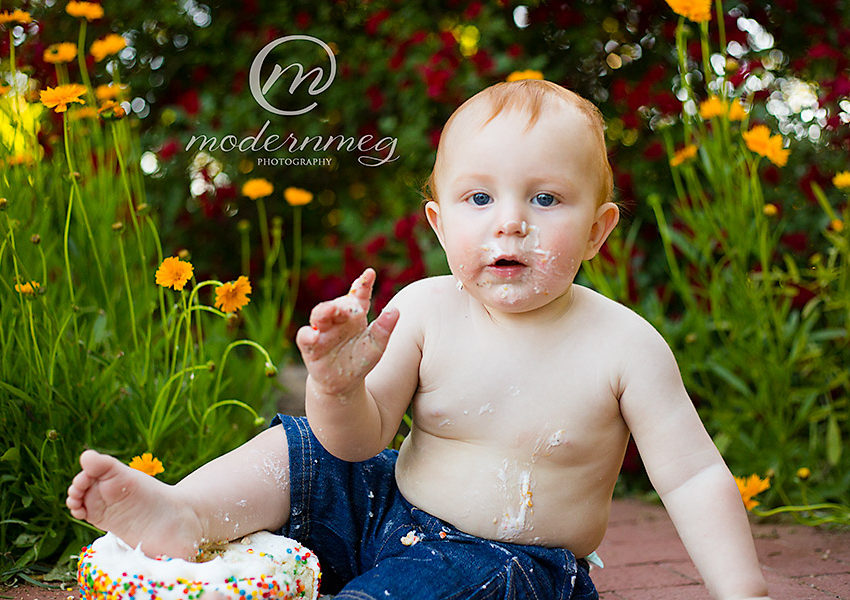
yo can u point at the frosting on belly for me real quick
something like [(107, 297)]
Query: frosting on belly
[(260, 565)]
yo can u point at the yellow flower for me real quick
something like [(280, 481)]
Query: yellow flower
[(89, 10), (257, 188), (111, 111), (759, 140), (737, 112), (146, 463), (62, 52), (683, 154), (770, 210), (16, 16), (527, 74), (804, 473), (695, 10), (105, 46), (174, 273), (751, 486), (297, 197), (109, 91), (841, 180), (61, 96), (29, 288), (713, 107), (232, 296), (837, 225)]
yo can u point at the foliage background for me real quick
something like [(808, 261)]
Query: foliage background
[(402, 69)]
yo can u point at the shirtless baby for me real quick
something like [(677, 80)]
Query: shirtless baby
[(524, 388)]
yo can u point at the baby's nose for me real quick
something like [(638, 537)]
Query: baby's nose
[(513, 226)]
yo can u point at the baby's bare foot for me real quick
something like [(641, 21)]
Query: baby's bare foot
[(134, 506)]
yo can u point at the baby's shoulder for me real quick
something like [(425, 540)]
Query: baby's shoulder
[(616, 321), (429, 292)]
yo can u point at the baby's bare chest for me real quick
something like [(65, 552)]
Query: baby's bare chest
[(548, 396)]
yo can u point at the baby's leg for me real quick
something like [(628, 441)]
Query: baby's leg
[(243, 491)]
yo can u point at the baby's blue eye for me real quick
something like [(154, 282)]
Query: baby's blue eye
[(480, 198), (544, 199)]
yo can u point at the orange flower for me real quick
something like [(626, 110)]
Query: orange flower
[(257, 188), (232, 296), (106, 46), (695, 10), (297, 196), (713, 107), (737, 112), (751, 486), (109, 91), (759, 140), (527, 74), (61, 96), (837, 225), (62, 52), (174, 273), (146, 463), (111, 111), (770, 210), (683, 154), (89, 10), (16, 16), (841, 180), (29, 288)]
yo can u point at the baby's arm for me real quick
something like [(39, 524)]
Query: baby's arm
[(687, 471), (352, 415)]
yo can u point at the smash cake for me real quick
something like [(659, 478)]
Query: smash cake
[(260, 565)]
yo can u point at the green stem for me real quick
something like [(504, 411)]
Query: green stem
[(129, 292), (226, 352), (75, 186), (119, 154), (264, 227)]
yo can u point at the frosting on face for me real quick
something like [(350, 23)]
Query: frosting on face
[(260, 565)]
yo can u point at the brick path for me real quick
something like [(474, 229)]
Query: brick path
[(644, 559)]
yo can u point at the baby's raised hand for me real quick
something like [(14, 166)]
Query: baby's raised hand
[(340, 347)]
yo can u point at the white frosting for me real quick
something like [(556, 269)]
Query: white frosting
[(259, 558)]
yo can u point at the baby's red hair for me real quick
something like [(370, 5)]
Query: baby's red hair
[(531, 96)]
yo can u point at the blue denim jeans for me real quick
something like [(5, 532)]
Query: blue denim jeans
[(374, 545)]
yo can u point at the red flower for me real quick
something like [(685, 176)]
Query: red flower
[(472, 11), (168, 150), (190, 102), (376, 98), (514, 51), (373, 22), (483, 62), (303, 19)]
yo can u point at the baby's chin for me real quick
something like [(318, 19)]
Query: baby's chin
[(515, 299)]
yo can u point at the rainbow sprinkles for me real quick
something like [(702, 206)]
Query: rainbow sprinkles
[(260, 565)]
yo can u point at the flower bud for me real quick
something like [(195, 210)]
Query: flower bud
[(117, 227), (142, 208), (259, 421), (52, 435), (243, 225), (271, 370), (3, 203), (35, 239), (804, 473)]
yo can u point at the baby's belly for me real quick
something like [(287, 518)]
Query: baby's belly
[(504, 495)]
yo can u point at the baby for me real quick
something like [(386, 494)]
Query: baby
[(524, 388)]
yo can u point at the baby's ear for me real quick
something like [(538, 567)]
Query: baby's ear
[(604, 222), (432, 213)]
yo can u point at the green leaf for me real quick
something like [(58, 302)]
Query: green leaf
[(12, 455), (833, 441)]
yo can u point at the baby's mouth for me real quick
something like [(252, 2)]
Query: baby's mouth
[(506, 266)]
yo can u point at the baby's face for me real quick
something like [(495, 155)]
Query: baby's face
[(518, 208)]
